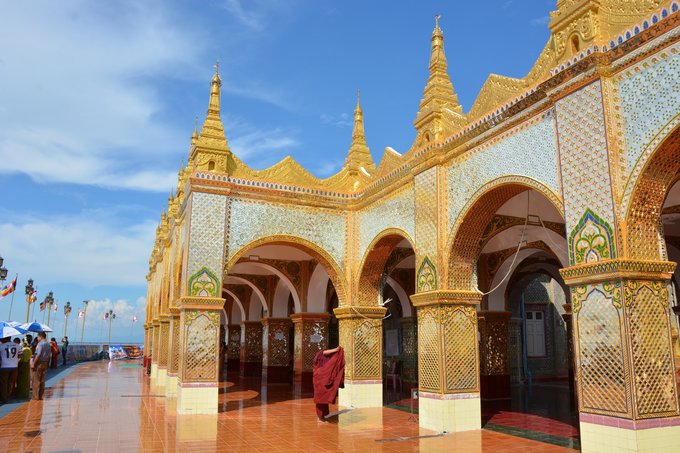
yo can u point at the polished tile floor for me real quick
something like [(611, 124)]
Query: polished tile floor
[(110, 407)]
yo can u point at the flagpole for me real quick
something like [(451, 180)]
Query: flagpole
[(16, 278)]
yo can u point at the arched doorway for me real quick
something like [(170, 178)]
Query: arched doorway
[(280, 291), (510, 241), (387, 279)]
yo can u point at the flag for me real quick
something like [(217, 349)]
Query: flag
[(134, 318), (81, 313), (43, 304), (55, 307), (34, 296), (9, 288)]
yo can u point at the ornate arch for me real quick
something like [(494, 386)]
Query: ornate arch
[(464, 244), (654, 174), (319, 254), (374, 261)]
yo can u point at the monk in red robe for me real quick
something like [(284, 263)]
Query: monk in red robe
[(329, 376)]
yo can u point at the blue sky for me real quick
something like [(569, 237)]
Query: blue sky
[(98, 101)]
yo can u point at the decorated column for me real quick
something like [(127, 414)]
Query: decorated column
[(361, 337), (276, 350), (200, 306), (409, 332), (233, 348), (624, 358), (311, 336), (155, 354), (251, 348), (567, 316), (448, 364), (163, 349), (147, 347), (494, 374), (173, 353)]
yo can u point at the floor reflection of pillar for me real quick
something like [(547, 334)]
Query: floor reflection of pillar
[(276, 350), (494, 374), (311, 336), (197, 429), (251, 348)]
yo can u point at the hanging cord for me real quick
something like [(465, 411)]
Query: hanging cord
[(514, 258)]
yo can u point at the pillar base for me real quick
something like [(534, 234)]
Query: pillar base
[(171, 385), (275, 375), (251, 369), (449, 413), (602, 433), (358, 394), (495, 387), (154, 373), (197, 398), (161, 379), (233, 365)]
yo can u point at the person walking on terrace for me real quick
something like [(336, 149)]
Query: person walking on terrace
[(64, 350), (43, 354), (54, 362), (9, 360), (24, 371), (328, 377)]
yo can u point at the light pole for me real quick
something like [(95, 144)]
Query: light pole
[(67, 310), (110, 315), (29, 293), (82, 332), (3, 271), (49, 300)]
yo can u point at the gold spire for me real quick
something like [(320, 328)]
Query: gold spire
[(359, 155), (439, 114), (212, 132), (194, 136)]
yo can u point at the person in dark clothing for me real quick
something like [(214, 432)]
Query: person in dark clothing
[(64, 350), (328, 377)]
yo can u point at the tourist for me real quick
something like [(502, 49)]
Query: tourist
[(55, 353), (9, 359), (328, 377), (64, 349), (41, 361), (24, 370), (15, 373)]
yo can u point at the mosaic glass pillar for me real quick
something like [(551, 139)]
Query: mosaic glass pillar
[(276, 350), (448, 364), (627, 392), (361, 337), (199, 327), (155, 352), (173, 354), (409, 334), (568, 322), (233, 348), (163, 347), (147, 347), (251, 349), (311, 336), (493, 345)]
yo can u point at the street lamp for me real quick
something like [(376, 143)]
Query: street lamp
[(82, 332), (110, 315), (3, 271), (49, 300), (67, 310), (29, 294)]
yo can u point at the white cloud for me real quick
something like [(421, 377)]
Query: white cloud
[(77, 88), (249, 18), (253, 144), (89, 249), (540, 21), (342, 120)]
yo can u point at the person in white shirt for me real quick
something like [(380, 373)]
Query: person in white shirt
[(9, 361), (41, 360)]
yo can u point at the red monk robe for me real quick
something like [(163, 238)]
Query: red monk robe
[(329, 376)]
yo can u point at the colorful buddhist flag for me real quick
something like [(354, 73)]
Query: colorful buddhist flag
[(55, 307), (81, 313), (43, 304), (9, 288), (34, 296)]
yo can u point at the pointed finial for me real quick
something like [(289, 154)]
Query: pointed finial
[(217, 66), (436, 20), (358, 99)]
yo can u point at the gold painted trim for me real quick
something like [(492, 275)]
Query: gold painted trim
[(446, 297), (618, 269)]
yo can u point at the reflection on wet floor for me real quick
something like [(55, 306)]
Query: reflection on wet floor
[(104, 406)]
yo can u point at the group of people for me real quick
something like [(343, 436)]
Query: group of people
[(24, 363)]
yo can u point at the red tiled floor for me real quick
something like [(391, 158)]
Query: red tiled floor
[(98, 408)]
